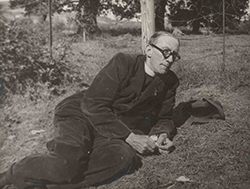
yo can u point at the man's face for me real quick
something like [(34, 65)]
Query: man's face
[(161, 54)]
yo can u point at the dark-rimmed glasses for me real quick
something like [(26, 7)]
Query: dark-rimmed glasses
[(167, 53)]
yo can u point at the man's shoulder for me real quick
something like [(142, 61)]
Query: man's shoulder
[(128, 58), (172, 75), (170, 78), (123, 64), (168, 75), (127, 63)]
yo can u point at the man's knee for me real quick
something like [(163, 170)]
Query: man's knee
[(128, 153), (66, 151), (125, 160), (125, 154)]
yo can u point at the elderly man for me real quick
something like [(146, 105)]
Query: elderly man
[(126, 111)]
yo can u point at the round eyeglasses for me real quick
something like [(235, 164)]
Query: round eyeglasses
[(167, 53)]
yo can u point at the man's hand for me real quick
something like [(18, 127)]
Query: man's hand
[(164, 144), (141, 143)]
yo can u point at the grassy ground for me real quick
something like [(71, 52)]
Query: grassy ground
[(213, 156)]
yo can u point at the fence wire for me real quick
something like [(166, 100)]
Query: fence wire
[(233, 4)]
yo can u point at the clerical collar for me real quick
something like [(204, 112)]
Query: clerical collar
[(148, 70)]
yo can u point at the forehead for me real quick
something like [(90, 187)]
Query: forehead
[(169, 42)]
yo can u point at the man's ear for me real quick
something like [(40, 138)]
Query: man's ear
[(148, 51)]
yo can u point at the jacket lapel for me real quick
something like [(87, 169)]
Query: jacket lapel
[(138, 80), (154, 88)]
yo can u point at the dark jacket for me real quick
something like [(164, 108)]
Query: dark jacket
[(115, 104)]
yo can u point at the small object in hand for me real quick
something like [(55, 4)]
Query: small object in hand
[(154, 138)]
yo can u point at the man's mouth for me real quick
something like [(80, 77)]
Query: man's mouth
[(165, 66)]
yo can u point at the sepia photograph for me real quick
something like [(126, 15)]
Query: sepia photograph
[(124, 94)]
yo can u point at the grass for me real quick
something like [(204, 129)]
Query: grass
[(213, 156)]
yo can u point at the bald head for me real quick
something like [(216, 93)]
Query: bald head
[(157, 35)]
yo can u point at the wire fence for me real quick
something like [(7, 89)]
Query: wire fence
[(220, 14)]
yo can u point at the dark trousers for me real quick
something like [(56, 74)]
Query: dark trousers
[(76, 155)]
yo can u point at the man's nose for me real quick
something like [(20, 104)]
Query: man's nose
[(170, 59), (168, 64)]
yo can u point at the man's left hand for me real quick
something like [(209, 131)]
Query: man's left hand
[(163, 143)]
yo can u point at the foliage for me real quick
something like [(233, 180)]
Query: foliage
[(126, 9), (122, 9), (239, 28), (34, 7), (88, 10), (31, 7), (25, 60), (182, 12), (244, 27), (209, 12), (2, 23)]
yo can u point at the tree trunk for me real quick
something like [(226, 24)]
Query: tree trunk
[(147, 21), (196, 26), (160, 15), (86, 17), (44, 17)]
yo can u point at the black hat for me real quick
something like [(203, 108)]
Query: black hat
[(204, 110)]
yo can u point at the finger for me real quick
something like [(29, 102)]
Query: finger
[(146, 146), (161, 139), (146, 150), (166, 146), (151, 144), (150, 148), (163, 147), (154, 138), (168, 142), (163, 151), (141, 151)]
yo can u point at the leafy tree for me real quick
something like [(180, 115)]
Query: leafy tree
[(32, 7), (122, 8), (25, 60), (86, 10), (160, 14), (208, 12), (130, 8), (2, 33), (2, 23), (192, 12)]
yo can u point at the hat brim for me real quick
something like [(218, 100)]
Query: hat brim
[(217, 105)]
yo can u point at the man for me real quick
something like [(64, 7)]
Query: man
[(126, 111)]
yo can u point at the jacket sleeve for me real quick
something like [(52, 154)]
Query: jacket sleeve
[(165, 123), (98, 100)]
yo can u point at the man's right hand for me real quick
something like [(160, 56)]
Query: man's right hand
[(141, 143)]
